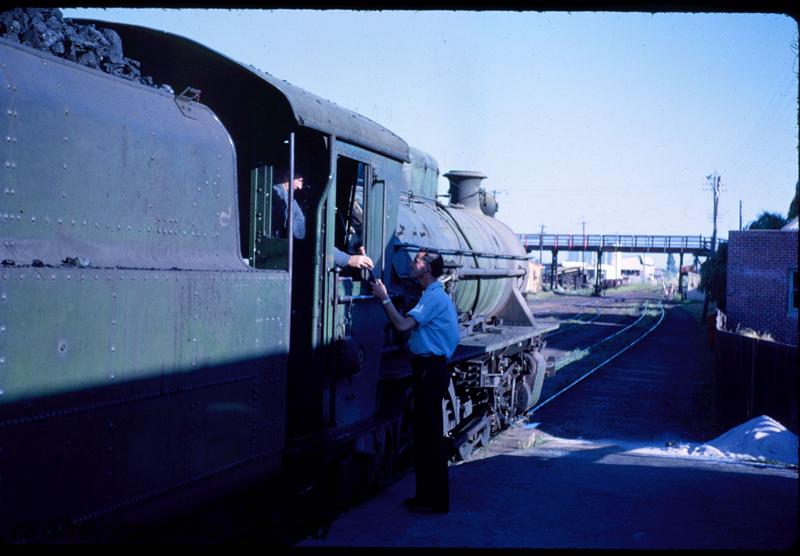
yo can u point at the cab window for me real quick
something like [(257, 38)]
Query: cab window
[(351, 208)]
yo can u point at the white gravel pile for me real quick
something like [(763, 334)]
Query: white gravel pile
[(761, 439)]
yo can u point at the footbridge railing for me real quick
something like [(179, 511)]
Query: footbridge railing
[(698, 245)]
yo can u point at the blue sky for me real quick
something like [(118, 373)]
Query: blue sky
[(612, 119)]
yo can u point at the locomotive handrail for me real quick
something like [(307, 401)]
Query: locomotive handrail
[(491, 273), (411, 196), (463, 252), (351, 298)]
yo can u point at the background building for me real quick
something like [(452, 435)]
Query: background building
[(638, 269), (762, 289), (533, 280)]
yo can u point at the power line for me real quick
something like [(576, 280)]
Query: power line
[(767, 106), (771, 107)]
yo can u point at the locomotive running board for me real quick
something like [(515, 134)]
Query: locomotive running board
[(494, 339)]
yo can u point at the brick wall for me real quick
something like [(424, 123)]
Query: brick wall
[(759, 262)]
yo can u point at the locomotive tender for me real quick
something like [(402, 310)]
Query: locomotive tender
[(162, 341)]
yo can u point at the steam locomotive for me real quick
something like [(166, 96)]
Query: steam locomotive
[(163, 340)]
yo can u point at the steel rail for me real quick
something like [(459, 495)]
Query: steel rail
[(617, 354), (574, 323)]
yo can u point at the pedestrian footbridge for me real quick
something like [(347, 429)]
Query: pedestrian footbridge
[(696, 245)]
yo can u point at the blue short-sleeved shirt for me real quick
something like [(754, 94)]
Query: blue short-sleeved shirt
[(437, 323)]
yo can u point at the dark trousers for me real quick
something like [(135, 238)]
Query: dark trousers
[(431, 380)]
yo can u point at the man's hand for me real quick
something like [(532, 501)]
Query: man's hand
[(403, 324), (378, 289), (360, 261)]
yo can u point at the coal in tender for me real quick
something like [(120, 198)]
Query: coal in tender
[(46, 29)]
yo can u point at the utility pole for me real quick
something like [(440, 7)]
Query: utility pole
[(716, 183), (740, 215), (715, 186), (583, 253), (541, 233)]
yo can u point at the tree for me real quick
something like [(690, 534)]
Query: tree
[(767, 221), (714, 276), (793, 204), (671, 269)]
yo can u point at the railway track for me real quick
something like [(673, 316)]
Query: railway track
[(631, 323), (582, 363), (578, 319)]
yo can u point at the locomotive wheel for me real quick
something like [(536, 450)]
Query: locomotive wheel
[(465, 450), (477, 440), (484, 436), (384, 464), (387, 462), (450, 414), (522, 394), (537, 365)]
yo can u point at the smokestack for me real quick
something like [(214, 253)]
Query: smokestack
[(464, 188)]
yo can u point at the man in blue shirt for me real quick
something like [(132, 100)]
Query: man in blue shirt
[(433, 323)]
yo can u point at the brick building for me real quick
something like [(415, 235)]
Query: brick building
[(763, 282)]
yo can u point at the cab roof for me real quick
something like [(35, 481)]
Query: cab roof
[(307, 109)]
